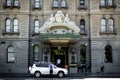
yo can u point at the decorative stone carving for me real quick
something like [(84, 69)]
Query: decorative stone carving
[(59, 16), (59, 20)]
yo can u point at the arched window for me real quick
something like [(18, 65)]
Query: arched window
[(108, 53), (15, 25), (82, 25), (103, 25), (10, 54), (36, 26), (8, 2), (83, 54), (102, 2), (7, 25), (111, 25), (110, 2), (37, 3), (35, 52), (82, 2)]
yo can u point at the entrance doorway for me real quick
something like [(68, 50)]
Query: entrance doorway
[(60, 54)]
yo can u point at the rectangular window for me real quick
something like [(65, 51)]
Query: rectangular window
[(36, 29), (11, 57), (110, 2), (36, 52), (102, 2), (11, 54), (15, 25), (9, 3), (103, 25), (55, 3), (63, 3), (16, 3), (82, 2), (111, 25), (7, 28), (7, 25), (36, 25), (37, 3)]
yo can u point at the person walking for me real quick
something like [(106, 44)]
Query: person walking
[(51, 69), (102, 68)]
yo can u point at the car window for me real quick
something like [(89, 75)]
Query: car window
[(44, 65), (38, 65)]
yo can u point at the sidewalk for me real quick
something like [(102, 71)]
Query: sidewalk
[(110, 75), (69, 75)]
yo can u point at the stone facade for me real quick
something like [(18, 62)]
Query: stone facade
[(92, 38)]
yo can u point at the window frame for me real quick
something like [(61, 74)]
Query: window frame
[(82, 2), (8, 25), (15, 25), (36, 3), (63, 3), (8, 2), (35, 53), (16, 3), (10, 52), (103, 25), (110, 2), (108, 49), (111, 25), (82, 23), (36, 26), (55, 3), (103, 2)]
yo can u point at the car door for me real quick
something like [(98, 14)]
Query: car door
[(44, 69), (55, 70)]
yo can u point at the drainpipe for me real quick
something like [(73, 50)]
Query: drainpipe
[(90, 35), (41, 25), (29, 34)]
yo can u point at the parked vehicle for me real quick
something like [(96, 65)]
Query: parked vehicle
[(42, 68)]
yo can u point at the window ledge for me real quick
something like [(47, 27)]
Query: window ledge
[(10, 33), (108, 6), (108, 33), (83, 32), (65, 7), (82, 7), (36, 8), (10, 6)]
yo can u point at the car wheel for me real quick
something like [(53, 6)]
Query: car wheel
[(37, 74), (60, 74)]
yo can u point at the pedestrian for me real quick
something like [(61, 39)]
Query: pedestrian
[(51, 69), (58, 63), (102, 68)]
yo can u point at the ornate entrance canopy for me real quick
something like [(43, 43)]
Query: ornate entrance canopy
[(59, 26)]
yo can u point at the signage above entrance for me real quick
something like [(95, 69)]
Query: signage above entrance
[(69, 36), (59, 24)]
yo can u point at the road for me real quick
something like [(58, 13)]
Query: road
[(55, 78)]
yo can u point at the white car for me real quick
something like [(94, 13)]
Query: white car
[(42, 68)]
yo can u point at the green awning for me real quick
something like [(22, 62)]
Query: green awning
[(70, 36)]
